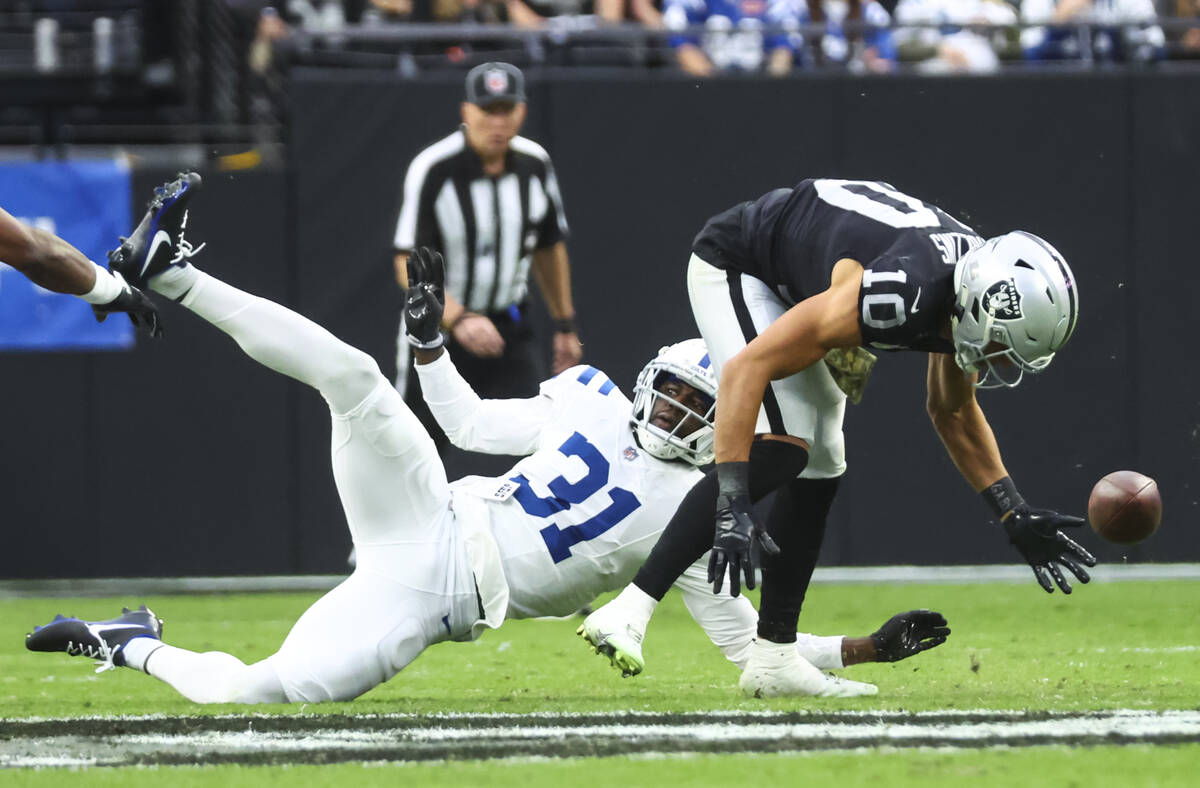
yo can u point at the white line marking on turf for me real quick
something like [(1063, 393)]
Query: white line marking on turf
[(649, 716), (34, 762), (996, 732), (706, 733)]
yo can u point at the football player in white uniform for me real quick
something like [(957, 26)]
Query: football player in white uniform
[(440, 561)]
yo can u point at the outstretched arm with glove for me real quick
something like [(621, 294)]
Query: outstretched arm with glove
[(492, 426), (1037, 534)]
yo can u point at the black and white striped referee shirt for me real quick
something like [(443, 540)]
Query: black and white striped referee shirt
[(487, 227)]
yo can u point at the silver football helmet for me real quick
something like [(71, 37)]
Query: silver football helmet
[(687, 362), (1017, 305)]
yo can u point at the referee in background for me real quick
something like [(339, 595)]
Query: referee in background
[(489, 201)]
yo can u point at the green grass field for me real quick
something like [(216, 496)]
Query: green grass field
[(1109, 646)]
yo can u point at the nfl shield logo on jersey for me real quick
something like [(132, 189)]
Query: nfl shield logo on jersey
[(495, 81), (1003, 300), (630, 454)]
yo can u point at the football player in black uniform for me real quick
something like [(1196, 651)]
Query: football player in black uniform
[(816, 273)]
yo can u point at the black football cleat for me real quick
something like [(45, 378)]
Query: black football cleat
[(157, 242), (99, 640)]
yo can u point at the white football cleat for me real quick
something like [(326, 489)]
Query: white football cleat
[(776, 670), (611, 631)]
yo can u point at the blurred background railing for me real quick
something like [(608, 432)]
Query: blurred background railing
[(77, 72)]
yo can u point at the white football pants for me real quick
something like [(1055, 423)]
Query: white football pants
[(412, 586), (731, 309)]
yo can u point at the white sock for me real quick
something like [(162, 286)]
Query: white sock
[(174, 282), (638, 603), (774, 653), (825, 652), (137, 650), (106, 287), (213, 677), (286, 342)]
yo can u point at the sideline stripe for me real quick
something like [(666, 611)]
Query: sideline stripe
[(568, 736), (104, 725), (950, 575)]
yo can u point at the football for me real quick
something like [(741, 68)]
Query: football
[(1125, 507)]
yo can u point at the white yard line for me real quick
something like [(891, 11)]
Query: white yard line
[(625, 716), (537, 735)]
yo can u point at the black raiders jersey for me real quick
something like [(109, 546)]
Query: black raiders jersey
[(791, 239)]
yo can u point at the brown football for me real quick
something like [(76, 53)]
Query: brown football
[(1125, 507)]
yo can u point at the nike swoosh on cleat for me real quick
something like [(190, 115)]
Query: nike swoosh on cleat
[(100, 628), (159, 238)]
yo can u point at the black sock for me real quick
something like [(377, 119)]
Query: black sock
[(689, 535), (797, 524)]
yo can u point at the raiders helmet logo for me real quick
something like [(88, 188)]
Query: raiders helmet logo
[(1003, 300), (495, 81)]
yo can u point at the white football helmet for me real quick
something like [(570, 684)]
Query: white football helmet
[(1017, 305), (687, 362)]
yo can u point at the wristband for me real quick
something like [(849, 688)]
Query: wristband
[(565, 325), (733, 479), (432, 344), (1002, 496), (105, 290)]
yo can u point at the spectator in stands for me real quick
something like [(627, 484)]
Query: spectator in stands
[(1189, 39), (873, 51), (648, 12), (734, 38), (1092, 30), (816, 17), (952, 46), (530, 14), (262, 41), (484, 12)]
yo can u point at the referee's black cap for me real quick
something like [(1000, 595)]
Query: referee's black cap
[(489, 83)]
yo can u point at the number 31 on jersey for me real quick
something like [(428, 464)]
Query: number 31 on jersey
[(563, 494)]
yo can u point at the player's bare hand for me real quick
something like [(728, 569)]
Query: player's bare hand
[(133, 302), (907, 634), (1037, 534), (478, 335), (568, 350)]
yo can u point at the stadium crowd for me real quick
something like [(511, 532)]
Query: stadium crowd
[(221, 68), (701, 37), (775, 37)]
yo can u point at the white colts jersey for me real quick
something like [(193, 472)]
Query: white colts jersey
[(587, 506), (579, 515)]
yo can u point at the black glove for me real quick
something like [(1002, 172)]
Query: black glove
[(1036, 535), (737, 536), (141, 310), (424, 302), (906, 634)]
